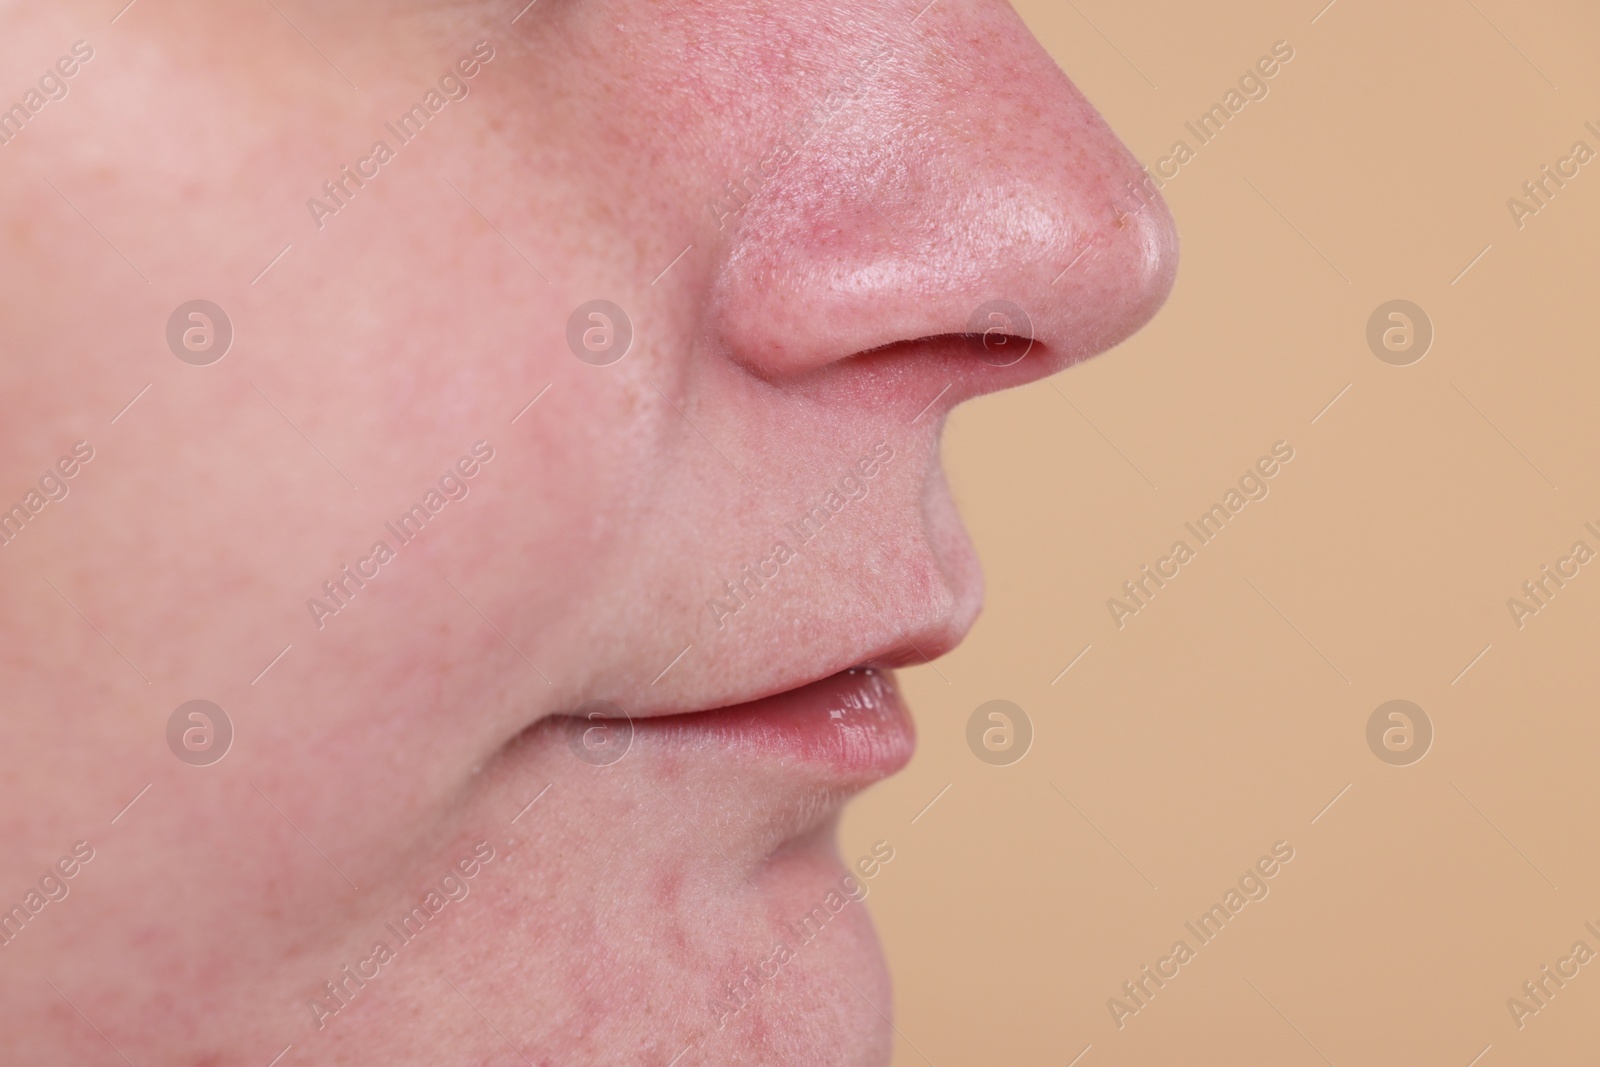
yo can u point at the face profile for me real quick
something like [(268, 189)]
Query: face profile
[(518, 433)]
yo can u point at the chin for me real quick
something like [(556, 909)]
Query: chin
[(815, 989)]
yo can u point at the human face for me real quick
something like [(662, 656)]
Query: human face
[(416, 522)]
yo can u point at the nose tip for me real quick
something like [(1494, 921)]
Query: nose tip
[(936, 200), (1118, 275)]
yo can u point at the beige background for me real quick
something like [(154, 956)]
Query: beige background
[(1231, 711)]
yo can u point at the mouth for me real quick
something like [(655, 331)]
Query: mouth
[(844, 731)]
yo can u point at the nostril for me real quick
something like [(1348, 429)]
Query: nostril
[(1000, 332), (999, 349), (997, 345), (955, 351)]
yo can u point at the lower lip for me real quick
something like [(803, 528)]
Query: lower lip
[(853, 725)]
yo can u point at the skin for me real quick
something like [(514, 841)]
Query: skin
[(797, 332)]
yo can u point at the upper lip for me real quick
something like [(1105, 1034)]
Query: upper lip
[(842, 732), (926, 614), (887, 656)]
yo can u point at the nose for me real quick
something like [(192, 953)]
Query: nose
[(950, 184)]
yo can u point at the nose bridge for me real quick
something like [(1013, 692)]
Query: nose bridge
[(967, 171)]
